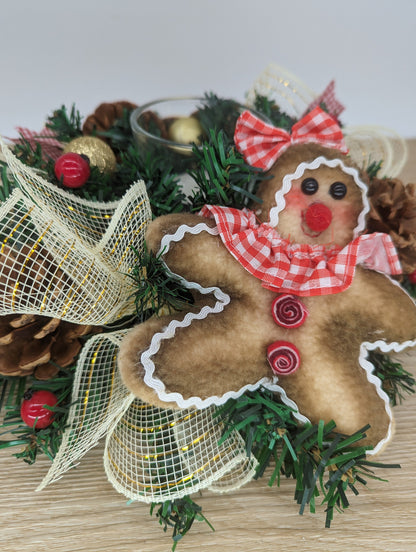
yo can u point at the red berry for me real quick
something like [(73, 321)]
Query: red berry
[(33, 409), (412, 277), (284, 357), (73, 169)]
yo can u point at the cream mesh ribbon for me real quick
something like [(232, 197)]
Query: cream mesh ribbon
[(151, 454), (289, 92), (367, 144), (68, 258), (64, 257)]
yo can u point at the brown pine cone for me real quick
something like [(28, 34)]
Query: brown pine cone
[(104, 116), (32, 343), (27, 268), (36, 344), (393, 211)]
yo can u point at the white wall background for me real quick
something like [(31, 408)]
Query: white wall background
[(89, 51)]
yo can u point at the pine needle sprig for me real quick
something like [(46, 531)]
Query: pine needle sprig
[(325, 464), (119, 135), (218, 114), (328, 464), (156, 288), (263, 423), (374, 168), (66, 126), (397, 382), (222, 175), (179, 514), (272, 111), (32, 155), (7, 182), (162, 182)]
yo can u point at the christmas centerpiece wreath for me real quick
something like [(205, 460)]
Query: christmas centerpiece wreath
[(90, 310)]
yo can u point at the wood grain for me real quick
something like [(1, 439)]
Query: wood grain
[(83, 513)]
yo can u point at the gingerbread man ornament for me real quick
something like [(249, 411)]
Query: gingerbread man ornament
[(290, 295)]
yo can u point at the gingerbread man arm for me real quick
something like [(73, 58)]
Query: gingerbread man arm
[(331, 383), (198, 257), (228, 349)]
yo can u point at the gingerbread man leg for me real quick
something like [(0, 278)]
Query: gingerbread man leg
[(331, 384)]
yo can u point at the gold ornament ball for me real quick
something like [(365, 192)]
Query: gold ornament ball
[(186, 130), (98, 152)]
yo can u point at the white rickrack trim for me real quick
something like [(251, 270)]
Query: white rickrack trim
[(372, 378), (315, 164), (223, 299), (272, 386)]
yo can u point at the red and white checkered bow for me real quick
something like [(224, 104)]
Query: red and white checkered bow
[(261, 143)]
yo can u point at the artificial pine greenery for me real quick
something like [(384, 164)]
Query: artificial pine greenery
[(33, 156), (156, 288), (178, 514), (7, 182), (119, 135), (373, 169), (222, 176), (324, 463), (162, 183), (395, 380), (218, 114), (327, 465), (262, 421), (66, 126), (272, 111)]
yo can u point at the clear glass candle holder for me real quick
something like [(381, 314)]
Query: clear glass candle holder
[(153, 140)]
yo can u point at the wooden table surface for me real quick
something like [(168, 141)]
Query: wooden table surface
[(83, 513)]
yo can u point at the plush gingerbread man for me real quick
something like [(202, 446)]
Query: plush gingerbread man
[(285, 294)]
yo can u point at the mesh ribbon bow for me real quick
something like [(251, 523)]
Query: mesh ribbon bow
[(75, 267)]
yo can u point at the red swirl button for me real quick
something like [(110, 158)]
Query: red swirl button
[(288, 311), (284, 358)]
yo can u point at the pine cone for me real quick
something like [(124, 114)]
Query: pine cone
[(34, 344), (393, 211), (39, 268), (104, 116)]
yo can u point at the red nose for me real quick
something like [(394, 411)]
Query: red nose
[(318, 217)]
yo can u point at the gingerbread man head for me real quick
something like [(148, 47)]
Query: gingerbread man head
[(326, 204)]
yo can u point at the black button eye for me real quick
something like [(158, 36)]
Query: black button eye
[(338, 190), (309, 186)]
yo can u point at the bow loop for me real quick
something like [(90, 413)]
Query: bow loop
[(262, 143)]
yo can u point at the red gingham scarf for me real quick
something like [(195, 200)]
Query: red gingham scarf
[(261, 144), (300, 269)]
